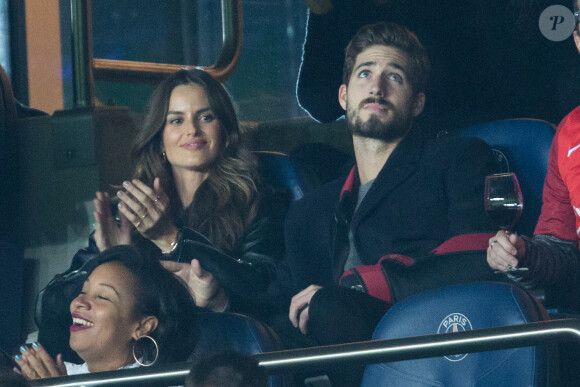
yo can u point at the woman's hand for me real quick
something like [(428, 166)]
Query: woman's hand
[(148, 210), (204, 287), (36, 363), (504, 250), (107, 232)]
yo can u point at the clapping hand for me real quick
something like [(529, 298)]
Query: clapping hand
[(203, 286), (140, 206), (146, 208), (36, 363), (107, 232)]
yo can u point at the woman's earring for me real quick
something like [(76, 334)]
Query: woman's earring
[(163, 157), (142, 355)]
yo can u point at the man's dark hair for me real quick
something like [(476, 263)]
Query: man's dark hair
[(227, 369), (391, 35)]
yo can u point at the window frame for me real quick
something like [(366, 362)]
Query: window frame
[(151, 73)]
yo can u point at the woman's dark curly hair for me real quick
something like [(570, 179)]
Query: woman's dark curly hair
[(161, 294)]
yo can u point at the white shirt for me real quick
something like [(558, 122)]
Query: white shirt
[(77, 369)]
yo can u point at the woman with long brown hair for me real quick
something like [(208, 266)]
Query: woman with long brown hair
[(196, 196)]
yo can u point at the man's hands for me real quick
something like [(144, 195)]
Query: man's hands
[(299, 307), (504, 250)]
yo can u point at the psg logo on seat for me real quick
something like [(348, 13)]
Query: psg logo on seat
[(455, 322)]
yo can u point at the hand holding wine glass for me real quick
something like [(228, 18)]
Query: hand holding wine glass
[(504, 203)]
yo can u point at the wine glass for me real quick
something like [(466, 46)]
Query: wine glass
[(504, 202)]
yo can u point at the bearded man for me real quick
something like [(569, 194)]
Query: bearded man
[(405, 195)]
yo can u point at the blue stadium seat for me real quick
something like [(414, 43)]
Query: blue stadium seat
[(281, 173), (522, 146), (457, 308), (239, 333)]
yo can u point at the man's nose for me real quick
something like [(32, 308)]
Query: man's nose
[(379, 86)]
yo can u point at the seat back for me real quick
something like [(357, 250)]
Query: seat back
[(11, 289), (278, 171), (11, 257), (8, 158), (521, 146), (457, 308), (239, 333)]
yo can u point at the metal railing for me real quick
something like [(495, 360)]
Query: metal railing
[(479, 340)]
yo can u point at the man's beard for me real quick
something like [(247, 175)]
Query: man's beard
[(396, 128)]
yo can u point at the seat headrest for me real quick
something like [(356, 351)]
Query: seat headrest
[(521, 146), (234, 332)]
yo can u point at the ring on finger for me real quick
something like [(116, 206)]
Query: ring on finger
[(143, 216), (157, 198), (138, 224), (493, 242)]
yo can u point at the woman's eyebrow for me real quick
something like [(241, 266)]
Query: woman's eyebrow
[(111, 287)]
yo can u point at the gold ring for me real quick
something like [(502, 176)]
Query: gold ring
[(492, 243), (143, 216), (157, 198), (138, 224)]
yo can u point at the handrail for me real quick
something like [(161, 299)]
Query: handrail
[(147, 72), (82, 53), (408, 348)]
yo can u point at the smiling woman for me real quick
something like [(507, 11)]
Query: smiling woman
[(192, 136), (195, 200), (130, 312), (196, 194)]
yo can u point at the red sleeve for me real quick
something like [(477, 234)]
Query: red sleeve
[(557, 216)]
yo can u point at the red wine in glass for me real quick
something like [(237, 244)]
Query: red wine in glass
[(503, 200), (504, 203)]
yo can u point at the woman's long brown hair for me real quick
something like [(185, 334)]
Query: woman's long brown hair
[(226, 202)]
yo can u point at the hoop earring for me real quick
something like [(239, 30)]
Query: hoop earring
[(142, 359)]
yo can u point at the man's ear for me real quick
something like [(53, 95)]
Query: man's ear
[(576, 39), (418, 104), (342, 96), (145, 326)]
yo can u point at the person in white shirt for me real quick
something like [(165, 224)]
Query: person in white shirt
[(130, 312)]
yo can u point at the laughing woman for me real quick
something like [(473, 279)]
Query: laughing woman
[(130, 312)]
